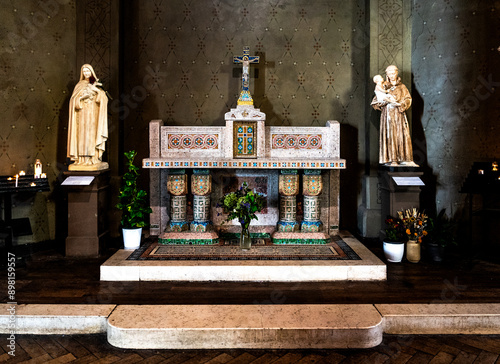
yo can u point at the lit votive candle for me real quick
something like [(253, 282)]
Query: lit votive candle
[(38, 168), (43, 175), (9, 179), (33, 184), (22, 173)]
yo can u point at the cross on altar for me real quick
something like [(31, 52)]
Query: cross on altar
[(245, 97)]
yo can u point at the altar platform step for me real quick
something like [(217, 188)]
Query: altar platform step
[(367, 268), (245, 326), (295, 326)]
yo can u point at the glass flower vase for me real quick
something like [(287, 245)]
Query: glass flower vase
[(245, 240)]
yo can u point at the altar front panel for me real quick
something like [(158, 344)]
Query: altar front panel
[(278, 148), (264, 181)]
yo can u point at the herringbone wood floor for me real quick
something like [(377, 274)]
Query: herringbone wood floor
[(51, 278), (394, 349)]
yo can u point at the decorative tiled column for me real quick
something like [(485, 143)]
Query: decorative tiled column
[(201, 188), (312, 186), (178, 188), (288, 189)]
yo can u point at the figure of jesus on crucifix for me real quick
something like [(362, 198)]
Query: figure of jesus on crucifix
[(245, 97)]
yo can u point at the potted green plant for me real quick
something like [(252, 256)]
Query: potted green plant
[(243, 205), (394, 241), (133, 204)]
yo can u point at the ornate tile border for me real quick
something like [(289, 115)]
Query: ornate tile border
[(262, 164), (193, 141), (296, 141)]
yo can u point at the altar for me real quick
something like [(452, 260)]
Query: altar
[(271, 160), (296, 170), (283, 157)]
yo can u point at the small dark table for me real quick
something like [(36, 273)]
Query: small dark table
[(25, 184), (484, 181)]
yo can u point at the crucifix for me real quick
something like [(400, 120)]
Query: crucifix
[(245, 97)]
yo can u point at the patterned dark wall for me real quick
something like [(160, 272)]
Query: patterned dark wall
[(178, 64), (456, 110), (37, 76)]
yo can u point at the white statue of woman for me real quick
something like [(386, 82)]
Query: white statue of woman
[(88, 123)]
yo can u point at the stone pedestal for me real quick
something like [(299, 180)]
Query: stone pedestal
[(87, 214), (399, 191)]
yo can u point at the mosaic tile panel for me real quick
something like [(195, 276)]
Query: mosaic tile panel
[(200, 226), (245, 139), (288, 208), (312, 209), (288, 226), (177, 184), (296, 141), (289, 184), (178, 226), (178, 211), (167, 241), (312, 185), (201, 185), (311, 226), (201, 208), (266, 164), (193, 141)]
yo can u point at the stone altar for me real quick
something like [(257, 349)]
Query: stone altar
[(306, 152), (272, 159)]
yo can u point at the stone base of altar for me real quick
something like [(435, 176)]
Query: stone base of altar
[(183, 238), (367, 268), (300, 238)]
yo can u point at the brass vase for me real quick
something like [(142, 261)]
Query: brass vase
[(413, 251)]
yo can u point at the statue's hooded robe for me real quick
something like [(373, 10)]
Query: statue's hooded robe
[(88, 120)]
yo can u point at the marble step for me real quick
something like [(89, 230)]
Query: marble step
[(441, 319), (368, 268), (54, 319), (244, 326)]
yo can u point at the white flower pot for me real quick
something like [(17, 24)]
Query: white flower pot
[(132, 238), (394, 251)]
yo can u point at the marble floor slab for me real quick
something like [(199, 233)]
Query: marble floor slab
[(368, 268), (244, 326)]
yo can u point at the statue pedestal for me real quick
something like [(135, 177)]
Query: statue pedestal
[(87, 206), (399, 191)]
